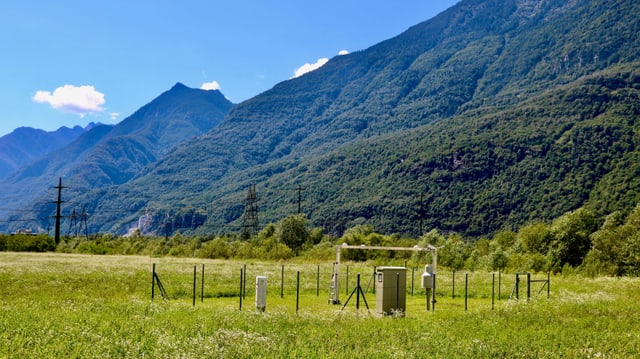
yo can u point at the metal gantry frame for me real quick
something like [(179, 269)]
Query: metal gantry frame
[(334, 287)]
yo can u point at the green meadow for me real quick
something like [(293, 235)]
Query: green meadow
[(56, 305)]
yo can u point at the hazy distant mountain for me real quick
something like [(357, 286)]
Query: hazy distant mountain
[(112, 155), (494, 113), (25, 144)]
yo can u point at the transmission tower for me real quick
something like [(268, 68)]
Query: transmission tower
[(250, 221), (58, 210), (83, 224), (73, 223)]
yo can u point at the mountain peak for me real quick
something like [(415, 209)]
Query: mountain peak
[(497, 117), (179, 86)]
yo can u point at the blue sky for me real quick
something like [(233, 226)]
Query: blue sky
[(68, 63)]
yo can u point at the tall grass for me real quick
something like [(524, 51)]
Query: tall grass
[(56, 305)]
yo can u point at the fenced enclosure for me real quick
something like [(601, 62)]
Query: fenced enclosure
[(197, 281), (58, 305)]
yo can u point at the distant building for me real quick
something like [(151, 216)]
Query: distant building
[(28, 232)]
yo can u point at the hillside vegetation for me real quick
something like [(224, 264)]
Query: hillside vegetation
[(488, 117), (25, 144), (488, 112), (108, 156), (574, 242)]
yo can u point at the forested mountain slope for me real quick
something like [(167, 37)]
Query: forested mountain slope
[(26, 144), (494, 113), (112, 155)]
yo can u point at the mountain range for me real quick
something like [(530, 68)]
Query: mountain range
[(488, 116), (25, 144), (108, 156)]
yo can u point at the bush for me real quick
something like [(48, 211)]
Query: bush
[(91, 247), (28, 243), (292, 231), (325, 250), (215, 249)]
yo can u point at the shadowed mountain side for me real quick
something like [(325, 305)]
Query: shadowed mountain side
[(493, 112), (113, 155), (24, 145)]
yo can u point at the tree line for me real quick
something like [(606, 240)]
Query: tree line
[(575, 241)]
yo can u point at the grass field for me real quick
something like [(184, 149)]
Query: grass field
[(66, 306)]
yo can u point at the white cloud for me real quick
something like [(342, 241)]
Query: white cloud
[(114, 115), (213, 85), (310, 67), (318, 64), (80, 100)]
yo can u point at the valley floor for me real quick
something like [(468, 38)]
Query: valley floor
[(60, 305)]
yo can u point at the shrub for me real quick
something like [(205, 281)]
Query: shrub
[(29, 243), (292, 231), (215, 249)]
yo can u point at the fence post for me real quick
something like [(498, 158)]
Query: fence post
[(493, 289), (153, 281), (282, 282), (548, 285), (358, 293), (244, 283), (412, 279), (346, 284), (374, 280), (241, 278), (202, 287), (195, 274), (433, 301), (297, 291), (466, 286), (453, 284)]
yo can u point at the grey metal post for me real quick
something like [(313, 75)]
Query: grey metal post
[(453, 284), (358, 293), (548, 285), (202, 287), (412, 279), (493, 289), (466, 286), (426, 294), (346, 283), (153, 281), (297, 291), (374, 280), (241, 278), (195, 274), (244, 283), (433, 301)]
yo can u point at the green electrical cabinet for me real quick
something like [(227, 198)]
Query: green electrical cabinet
[(391, 290)]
